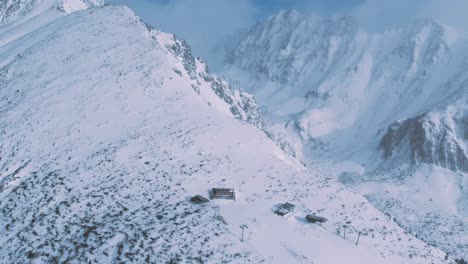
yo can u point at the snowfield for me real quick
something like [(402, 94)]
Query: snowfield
[(108, 127)]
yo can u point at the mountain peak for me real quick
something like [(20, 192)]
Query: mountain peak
[(287, 14), (427, 22), (283, 18), (444, 32), (428, 25), (293, 17), (282, 41)]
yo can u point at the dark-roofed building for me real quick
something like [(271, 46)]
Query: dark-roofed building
[(315, 219), (223, 193), (285, 209), (199, 199)]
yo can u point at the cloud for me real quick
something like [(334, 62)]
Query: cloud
[(378, 15), (201, 22)]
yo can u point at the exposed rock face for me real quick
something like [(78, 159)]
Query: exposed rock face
[(436, 137), (242, 104)]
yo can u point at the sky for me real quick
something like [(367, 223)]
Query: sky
[(205, 23)]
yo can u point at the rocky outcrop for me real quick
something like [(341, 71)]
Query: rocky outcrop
[(435, 137), (242, 105)]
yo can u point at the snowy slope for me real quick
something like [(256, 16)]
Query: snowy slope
[(108, 127), (372, 106)]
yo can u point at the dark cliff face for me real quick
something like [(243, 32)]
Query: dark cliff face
[(423, 139)]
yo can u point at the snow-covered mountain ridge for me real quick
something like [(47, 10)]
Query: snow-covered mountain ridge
[(242, 105), (388, 103)]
